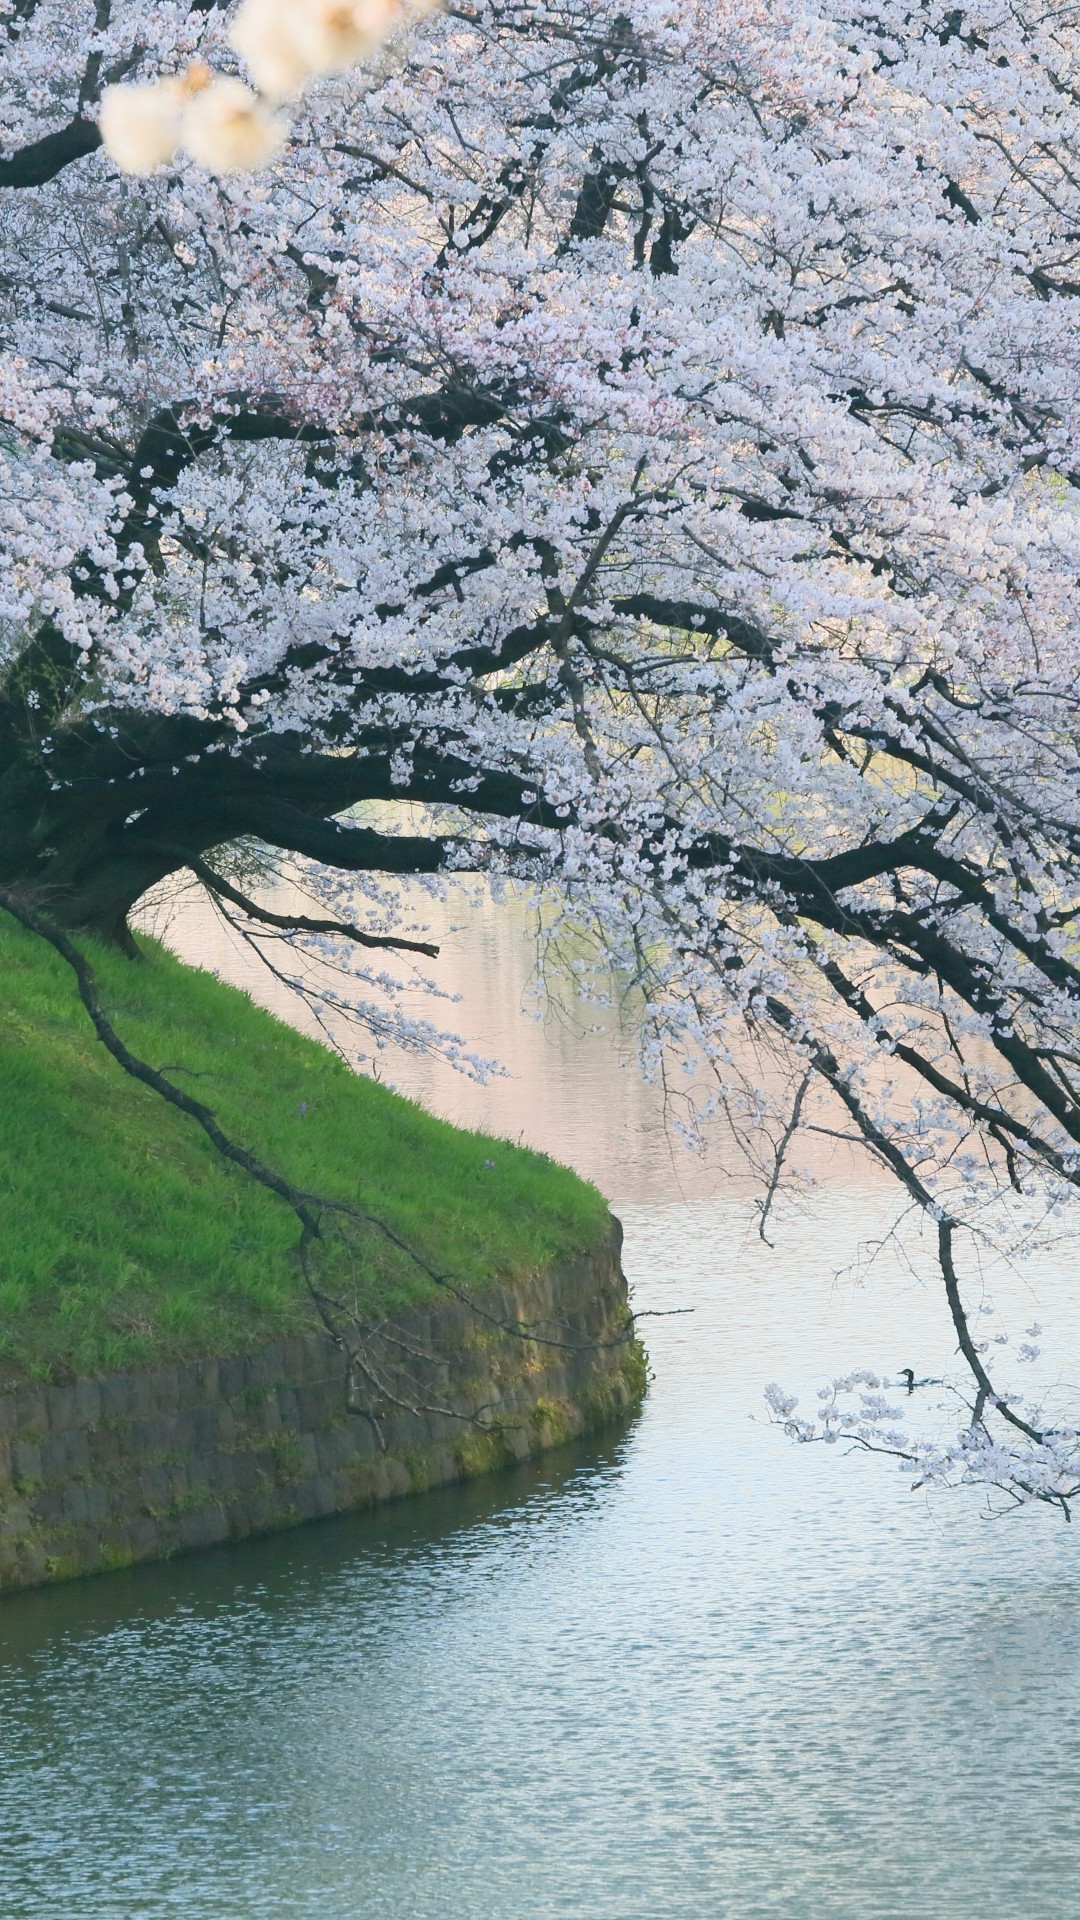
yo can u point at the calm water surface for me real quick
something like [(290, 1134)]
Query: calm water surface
[(690, 1673)]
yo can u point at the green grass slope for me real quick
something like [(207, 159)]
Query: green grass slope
[(124, 1237)]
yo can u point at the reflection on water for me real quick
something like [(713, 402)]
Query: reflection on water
[(570, 1083), (692, 1674)]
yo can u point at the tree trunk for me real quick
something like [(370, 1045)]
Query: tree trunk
[(97, 809)]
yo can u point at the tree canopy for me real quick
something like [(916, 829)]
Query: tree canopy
[(647, 437)]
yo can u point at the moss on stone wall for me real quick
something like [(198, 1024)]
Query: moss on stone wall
[(124, 1467)]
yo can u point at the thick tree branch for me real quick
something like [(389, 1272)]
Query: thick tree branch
[(301, 923), (42, 160)]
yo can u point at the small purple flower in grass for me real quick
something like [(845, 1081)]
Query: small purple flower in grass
[(489, 1163), (303, 1108)]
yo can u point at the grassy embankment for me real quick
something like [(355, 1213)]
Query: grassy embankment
[(125, 1238)]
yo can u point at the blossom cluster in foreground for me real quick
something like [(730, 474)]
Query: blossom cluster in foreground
[(216, 118)]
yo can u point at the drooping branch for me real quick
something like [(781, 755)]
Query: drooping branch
[(303, 1204), (886, 1150), (302, 923)]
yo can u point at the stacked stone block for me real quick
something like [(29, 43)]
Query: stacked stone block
[(137, 1466)]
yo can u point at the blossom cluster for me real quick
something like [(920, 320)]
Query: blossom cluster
[(216, 118), (1025, 1463)]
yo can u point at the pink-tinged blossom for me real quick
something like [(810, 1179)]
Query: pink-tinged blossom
[(230, 129), (286, 43), (140, 125)]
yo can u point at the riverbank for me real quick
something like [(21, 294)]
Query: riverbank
[(139, 1466), (165, 1378), (128, 1242)]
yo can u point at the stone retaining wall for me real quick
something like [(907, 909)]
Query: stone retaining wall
[(131, 1467)]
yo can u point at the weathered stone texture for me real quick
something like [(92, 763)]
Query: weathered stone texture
[(131, 1467)]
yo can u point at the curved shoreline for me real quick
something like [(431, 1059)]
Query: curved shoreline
[(143, 1465)]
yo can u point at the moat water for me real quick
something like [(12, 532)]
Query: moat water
[(691, 1672)]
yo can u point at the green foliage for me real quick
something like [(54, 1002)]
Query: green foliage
[(127, 1239)]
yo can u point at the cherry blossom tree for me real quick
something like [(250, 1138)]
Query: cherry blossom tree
[(638, 445)]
